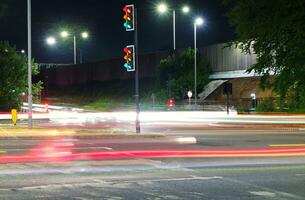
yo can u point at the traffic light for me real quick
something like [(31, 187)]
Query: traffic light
[(129, 18), (129, 58), (171, 103)]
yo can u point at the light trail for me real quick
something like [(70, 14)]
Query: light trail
[(64, 155)]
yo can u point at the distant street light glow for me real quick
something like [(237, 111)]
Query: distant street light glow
[(51, 40), (85, 35), (186, 9), (64, 34), (199, 21), (162, 8), (23, 51)]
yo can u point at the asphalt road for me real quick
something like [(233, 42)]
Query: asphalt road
[(223, 138), (154, 181), (143, 167)]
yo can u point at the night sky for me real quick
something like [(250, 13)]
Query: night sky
[(103, 20)]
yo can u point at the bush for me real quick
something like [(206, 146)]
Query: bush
[(265, 105), (176, 74), (13, 81)]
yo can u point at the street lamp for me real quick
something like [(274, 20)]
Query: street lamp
[(85, 35), (198, 22), (51, 41), (186, 9), (162, 8), (65, 34)]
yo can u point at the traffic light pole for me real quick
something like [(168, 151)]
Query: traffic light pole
[(137, 96)]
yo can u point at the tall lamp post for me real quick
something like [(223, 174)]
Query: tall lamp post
[(198, 22), (29, 19), (163, 8), (66, 34)]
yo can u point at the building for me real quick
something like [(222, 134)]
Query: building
[(229, 64)]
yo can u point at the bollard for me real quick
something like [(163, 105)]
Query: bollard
[(14, 116)]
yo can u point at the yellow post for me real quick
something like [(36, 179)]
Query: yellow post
[(14, 116)]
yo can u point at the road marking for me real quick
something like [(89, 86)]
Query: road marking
[(287, 145), (176, 179), (186, 140), (105, 148), (300, 174), (99, 183), (263, 193), (6, 133)]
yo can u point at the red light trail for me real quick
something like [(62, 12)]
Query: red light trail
[(64, 155)]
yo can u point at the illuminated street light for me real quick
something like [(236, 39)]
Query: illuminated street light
[(64, 34), (22, 51), (162, 8), (51, 41), (85, 35), (185, 9), (198, 22)]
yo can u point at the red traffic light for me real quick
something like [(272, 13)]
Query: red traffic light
[(171, 103), (127, 9), (127, 50), (129, 58)]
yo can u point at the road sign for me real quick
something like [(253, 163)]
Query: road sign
[(189, 94)]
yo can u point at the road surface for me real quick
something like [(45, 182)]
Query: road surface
[(175, 163)]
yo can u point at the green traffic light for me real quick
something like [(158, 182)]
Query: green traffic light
[(127, 25), (127, 66)]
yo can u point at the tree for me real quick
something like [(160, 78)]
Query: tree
[(176, 73), (13, 73), (275, 31)]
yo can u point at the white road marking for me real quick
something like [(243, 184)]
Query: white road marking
[(176, 179), (263, 193), (300, 174), (97, 183), (106, 148), (186, 140)]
